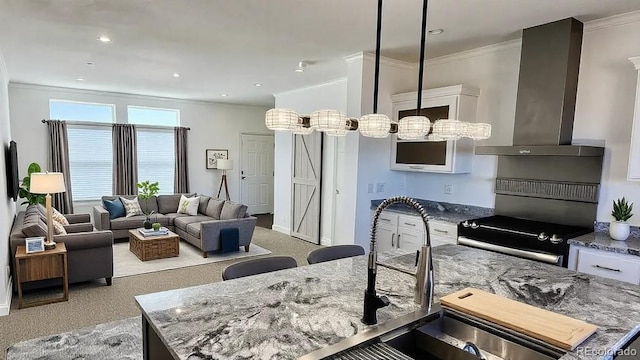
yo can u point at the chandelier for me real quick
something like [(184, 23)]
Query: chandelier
[(374, 125)]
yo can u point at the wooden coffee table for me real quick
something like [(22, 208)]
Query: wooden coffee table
[(154, 247)]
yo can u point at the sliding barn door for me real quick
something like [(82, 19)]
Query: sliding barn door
[(307, 162)]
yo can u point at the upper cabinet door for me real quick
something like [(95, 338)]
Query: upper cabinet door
[(454, 156), (634, 153)]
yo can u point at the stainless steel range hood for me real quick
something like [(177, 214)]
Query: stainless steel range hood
[(546, 99)]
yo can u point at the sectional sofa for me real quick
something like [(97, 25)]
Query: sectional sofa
[(201, 230)]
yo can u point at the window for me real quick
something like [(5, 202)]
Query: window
[(90, 150), (156, 149)]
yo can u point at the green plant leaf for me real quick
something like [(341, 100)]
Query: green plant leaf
[(33, 168)]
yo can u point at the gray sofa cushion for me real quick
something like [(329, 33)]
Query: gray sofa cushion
[(232, 210), (171, 217), (126, 223), (204, 201), (33, 224), (194, 229), (214, 208), (182, 222), (169, 203)]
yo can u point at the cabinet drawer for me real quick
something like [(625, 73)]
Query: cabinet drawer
[(444, 229), (609, 266), (439, 240), (388, 219), (411, 223)]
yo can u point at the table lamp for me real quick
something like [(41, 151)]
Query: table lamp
[(47, 183), (224, 165)]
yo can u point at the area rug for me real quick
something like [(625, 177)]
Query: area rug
[(120, 339), (125, 263)]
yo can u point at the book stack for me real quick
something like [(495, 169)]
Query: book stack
[(151, 232)]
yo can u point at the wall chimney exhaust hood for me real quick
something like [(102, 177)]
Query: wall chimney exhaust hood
[(546, 98)]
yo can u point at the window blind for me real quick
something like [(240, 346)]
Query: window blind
[(90, 161), (156, 157)]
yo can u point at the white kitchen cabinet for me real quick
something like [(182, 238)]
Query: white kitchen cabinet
[(605, 264), (402, 231), (457, 102), (633, 172)]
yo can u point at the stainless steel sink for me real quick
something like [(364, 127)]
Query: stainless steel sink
[(439, 335)]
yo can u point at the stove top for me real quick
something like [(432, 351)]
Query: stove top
[(506, 223)]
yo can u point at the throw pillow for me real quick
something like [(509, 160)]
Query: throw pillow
[(58, 228), (115, 208), (57, 216), (214, 208), (204, 202), (188, 205), (132, 206), (232, 210)]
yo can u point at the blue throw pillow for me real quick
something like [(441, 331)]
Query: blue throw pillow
[(115, 208)]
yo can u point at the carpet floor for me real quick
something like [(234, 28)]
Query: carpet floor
[(126, 263), (94, 303)]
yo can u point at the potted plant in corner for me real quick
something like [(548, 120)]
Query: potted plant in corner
[(25, 186), (147, 190), (619, 229)]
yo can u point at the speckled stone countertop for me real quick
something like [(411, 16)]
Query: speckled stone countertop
[(454, 213), (290, 313), (602, 241)]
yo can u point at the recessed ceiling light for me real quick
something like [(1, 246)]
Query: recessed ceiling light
[(436, 31), (257, 84), (224, 95), (104, 39), (79, 79), (176, 75)]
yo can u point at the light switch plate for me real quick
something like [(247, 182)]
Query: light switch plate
[(448, 189), (380, 187), (370, 188)]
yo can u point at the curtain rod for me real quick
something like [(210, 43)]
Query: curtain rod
[(88, 123)]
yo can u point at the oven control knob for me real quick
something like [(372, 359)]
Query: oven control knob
[(474, 225), (543, 237), (555, 239), (465, 224)]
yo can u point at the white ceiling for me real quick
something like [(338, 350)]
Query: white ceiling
[(225, 46)]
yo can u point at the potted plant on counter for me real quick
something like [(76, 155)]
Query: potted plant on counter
[(146, 191), (619, 229)]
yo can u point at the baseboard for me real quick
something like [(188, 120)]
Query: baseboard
[(281, 229), (325, 241), (6, 305)]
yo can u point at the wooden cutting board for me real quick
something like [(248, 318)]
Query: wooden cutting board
[(555, 329)]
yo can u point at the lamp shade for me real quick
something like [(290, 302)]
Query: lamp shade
[(324, 120), (375, 125), (281, 119), (225, 164), (449, 129), (413, 127), (47, 183)]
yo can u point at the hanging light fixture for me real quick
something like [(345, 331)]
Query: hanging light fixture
[(303, 127), (450, 129), (281, 119), (325, 120), (418, 126), (376, 125)]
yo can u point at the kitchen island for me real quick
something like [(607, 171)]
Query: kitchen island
[(286, 314)]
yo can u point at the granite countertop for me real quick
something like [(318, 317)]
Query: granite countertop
[(290, 313), (442, 211), (602, 241)]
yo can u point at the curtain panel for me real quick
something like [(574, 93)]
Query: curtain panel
[(125, 159), (59, 162), (181, 173)]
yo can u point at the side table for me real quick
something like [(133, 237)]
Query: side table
[(48, 264)]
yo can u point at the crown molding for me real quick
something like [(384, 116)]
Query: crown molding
[(326, 83), (611, 21), (383, 60), (635, 61), (436, 92), (467, 54)]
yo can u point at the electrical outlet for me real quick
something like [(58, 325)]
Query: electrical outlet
[(370, 188), (448, 189), (380, 187)]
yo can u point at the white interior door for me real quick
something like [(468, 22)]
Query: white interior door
[(257, 173), (305, 186)]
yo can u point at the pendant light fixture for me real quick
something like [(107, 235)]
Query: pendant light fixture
[(376, 125), (281, 119), (418, 126)]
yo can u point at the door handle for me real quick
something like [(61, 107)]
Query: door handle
[(392, 242), (441, 231), (243, 177), (398, 241), (606, 268)]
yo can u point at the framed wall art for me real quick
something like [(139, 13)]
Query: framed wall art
[(212, 156)]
